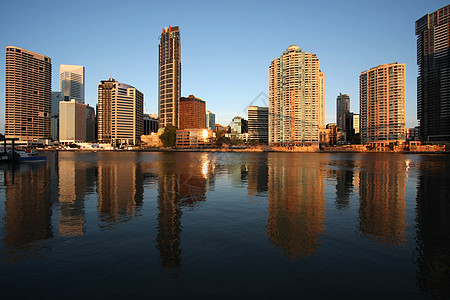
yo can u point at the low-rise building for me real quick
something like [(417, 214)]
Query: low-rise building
[(195, 138)]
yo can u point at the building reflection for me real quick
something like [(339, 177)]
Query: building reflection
[(433, 229), (382, 215), (75, 179), (27, 222), (258, 176), (296, 206), (120, 191), (182, 182)]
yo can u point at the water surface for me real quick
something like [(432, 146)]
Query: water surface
[(240, 225)]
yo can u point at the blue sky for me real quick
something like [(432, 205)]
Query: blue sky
[(227, 46)]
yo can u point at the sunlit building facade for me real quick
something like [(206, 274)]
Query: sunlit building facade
[(382, 104), (71, 82), (296, 108), (258, 123), (27, 94), (192, 112), (169, 89)]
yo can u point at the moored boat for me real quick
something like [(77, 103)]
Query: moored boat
[(29, 155)]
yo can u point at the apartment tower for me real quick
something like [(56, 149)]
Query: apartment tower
[(27, 94), (295, 98), (433, 82), (210, 120), (71, 82), (169, 90), (120, 113), (382, 104), (258, 123), (192, 113)]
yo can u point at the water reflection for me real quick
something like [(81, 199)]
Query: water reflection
[(27, 221), (296, 206), (120, 191), (382, 215), (433, 229)]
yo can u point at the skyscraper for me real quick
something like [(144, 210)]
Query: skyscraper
[(382, 104), (27, 94), (71, 82), (120, 113), (342, 108), (433, 82), (258, 123), (192, 112), (295, 87), (169, 90)]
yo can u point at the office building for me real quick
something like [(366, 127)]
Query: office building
[(382, 104), (71, 82), (27, 94), (77, 122), (295, 87), (210, 120), (195, 138), (342, 108), (151, 124), (54, 113), (258, 123), (321, 99), (192, 112), (433, 82), (238, 125), (169, 90), (120, 113)]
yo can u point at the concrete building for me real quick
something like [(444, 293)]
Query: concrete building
[(169, 91), (239, 125), (382, 104), (433, 82), (120, 113), (151, 124), (74, 126), (210, 120), (195, 138), (356, 123), (192, 113), (54, 113), (71, 82), (321, 99), (295, 96), (258, 123), (27, 94)]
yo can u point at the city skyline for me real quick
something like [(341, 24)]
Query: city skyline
[(236, 77)]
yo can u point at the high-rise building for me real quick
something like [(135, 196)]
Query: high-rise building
[(342, 108), (433, 82), (258, 123), (295, 96), (192, 113), (71, 82), (120, 113), (321, 99), (77, 122), (210, 120), (239, 125), (382, 104), (27, 94), (169, 90), (54, 124)]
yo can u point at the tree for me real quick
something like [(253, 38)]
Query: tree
[(169, 136)]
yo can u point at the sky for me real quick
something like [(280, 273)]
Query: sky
[(226, 46)]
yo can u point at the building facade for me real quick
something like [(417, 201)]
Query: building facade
[(433, 82), (77, 122), (151, 124), (27, 94), (192, 112), (382, 104), (54, 113), (342, 108), (210, 120), (71, 82), (119, 113), (238, 125), (258, 123), (295, 87), (169, 89), (195, 138)]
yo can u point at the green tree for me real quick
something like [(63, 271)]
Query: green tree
[(169, 136)]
